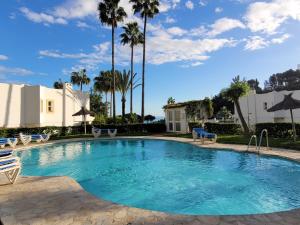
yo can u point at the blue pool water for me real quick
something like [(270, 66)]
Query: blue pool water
[(172, 177)]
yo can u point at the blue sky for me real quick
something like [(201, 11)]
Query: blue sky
[(194, 47)]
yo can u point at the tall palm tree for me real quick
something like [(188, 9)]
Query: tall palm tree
[(103, 83), (58, 84), (133, 37), (146, 9), (123, 85), (80, 78), (110, 14)]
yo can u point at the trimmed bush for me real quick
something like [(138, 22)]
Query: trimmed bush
[(194, 125), (277, 130), (151, 128), (223, 128)]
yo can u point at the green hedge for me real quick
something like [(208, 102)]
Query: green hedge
[(66, 131), (137, 128), (277, 130), (218, 128), (223, 128)]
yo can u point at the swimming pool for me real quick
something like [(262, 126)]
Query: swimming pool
[(171, 176)]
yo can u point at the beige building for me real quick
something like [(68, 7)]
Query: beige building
[(176, 119), (38, 106), (254, 108)]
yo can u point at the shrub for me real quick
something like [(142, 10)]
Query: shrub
[(223, 128), (193, 125), (278, 130), (100, 119)]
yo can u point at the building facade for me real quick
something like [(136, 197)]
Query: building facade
[(38, 106), (176, 119), (254, 108)]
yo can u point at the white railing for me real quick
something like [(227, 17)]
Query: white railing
[(253, 137)]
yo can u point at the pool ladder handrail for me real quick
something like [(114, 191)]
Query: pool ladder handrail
[(261, 136), (255, 138)]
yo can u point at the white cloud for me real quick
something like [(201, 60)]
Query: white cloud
[(176, 31), (202, 3), (225, 24), (83, 25), (170, 20), (281, 39), (42, 17), (218, 10), (258, 42), (255, 43), (175, 3), (3, 57), (267, 17), (14, 71), (162, 47), (189, 4), (74, 9)]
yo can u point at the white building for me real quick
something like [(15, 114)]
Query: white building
[(254, 108), (38, 106), (176, 119)]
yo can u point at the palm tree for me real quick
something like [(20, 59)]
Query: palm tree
[(80, 78), (146, 9), (237, 89), (123, 85), (110, 14), (103, 83), (58, 84), (133, 37), (171, 100)]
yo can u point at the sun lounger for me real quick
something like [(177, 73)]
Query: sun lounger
[(25, 139), (12, 142), (200, 133), (97, 132), (5, 153), (10, 167)]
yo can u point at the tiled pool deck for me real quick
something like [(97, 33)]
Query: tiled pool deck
[(61, 200)]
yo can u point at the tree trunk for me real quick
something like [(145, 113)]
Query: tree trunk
[(113, 69), (143, 71), (243, 122), (123, 108), (110, 108), (106, 110), (293, 125), (131, 80)]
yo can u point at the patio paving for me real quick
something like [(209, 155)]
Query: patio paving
[(61, 200)]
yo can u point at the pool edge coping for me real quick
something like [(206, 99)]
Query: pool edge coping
[(237, 148)]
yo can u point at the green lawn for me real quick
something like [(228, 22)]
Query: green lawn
[(241, 139)]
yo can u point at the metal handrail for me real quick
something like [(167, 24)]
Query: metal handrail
[(261, 136), (252, 137)]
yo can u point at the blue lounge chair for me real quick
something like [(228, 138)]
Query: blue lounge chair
[(5, 153), (200, 133), (12, 142)]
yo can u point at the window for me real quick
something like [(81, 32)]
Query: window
[(265, 105), (50, 106), (170, 126), (170, 115), (178, 126), (177, 115), (42, 106)]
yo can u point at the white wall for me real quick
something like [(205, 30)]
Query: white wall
[(252, 107), (10, 107), (183, 120), (21, 106)]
